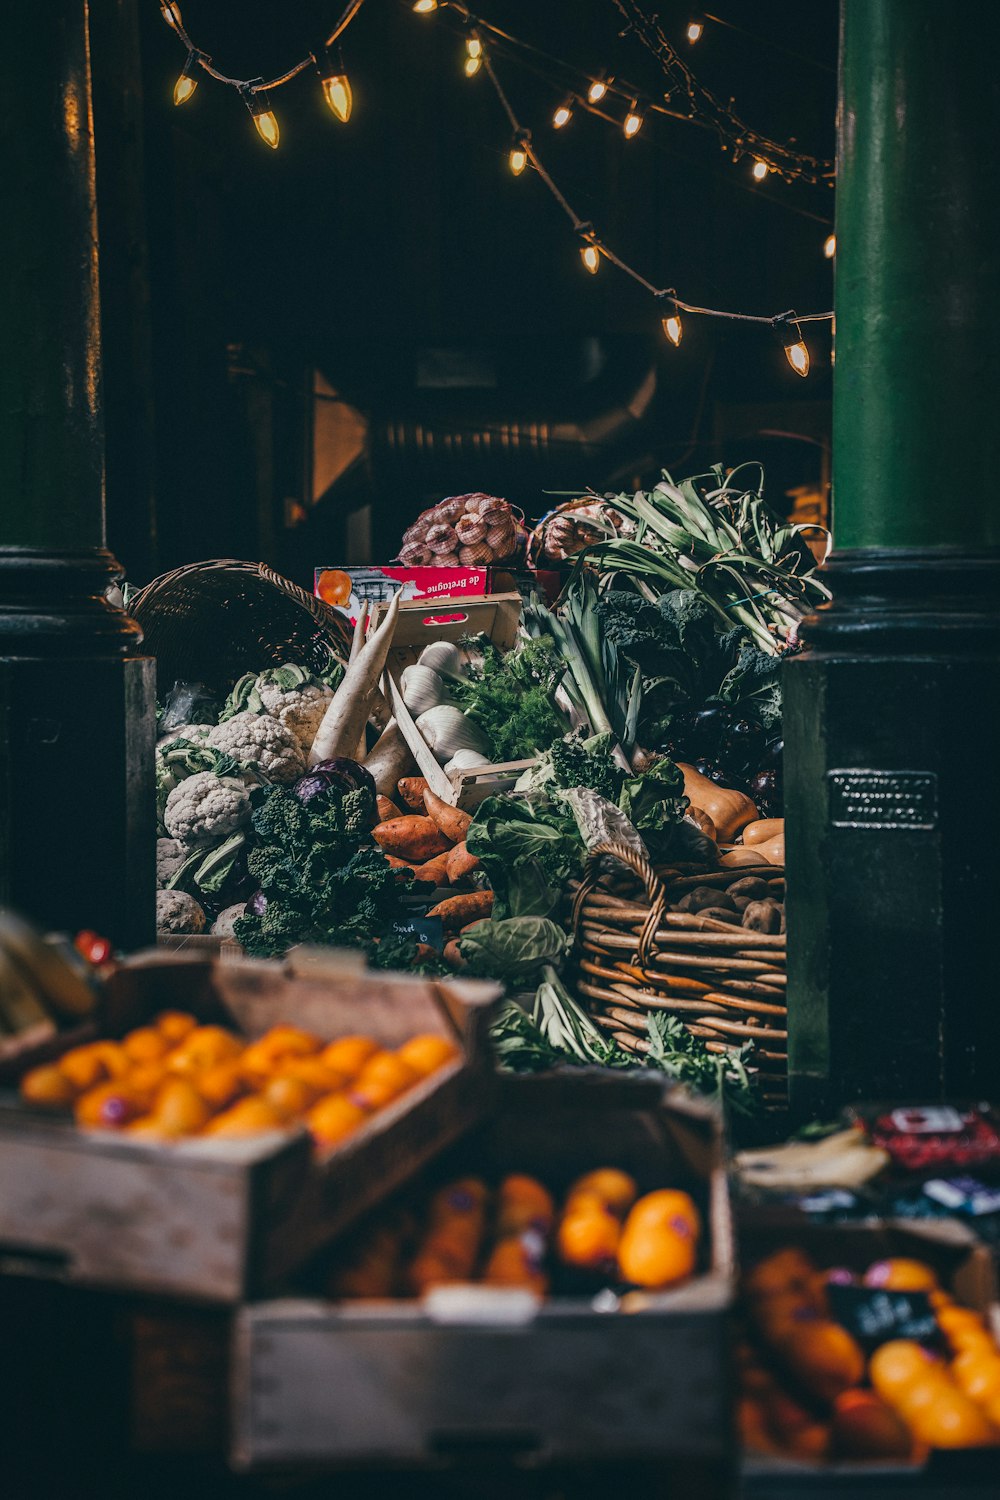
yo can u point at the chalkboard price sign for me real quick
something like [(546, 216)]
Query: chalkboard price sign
[(874, 1315)]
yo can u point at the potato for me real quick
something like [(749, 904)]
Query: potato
[(762, 916), (702, 896)]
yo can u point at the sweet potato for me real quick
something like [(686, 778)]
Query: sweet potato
[(460, 863), (456, 911), (387, 809), (453, 823), (411, 789), (414, 839), (435, 870), (453, 955)]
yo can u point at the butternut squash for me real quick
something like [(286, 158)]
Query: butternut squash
[(740, 856), (773, 850), (763, 830), (729, 810)]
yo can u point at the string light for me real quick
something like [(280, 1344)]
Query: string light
[(474, 46), (336, 86), (830, 246), (759, 170), (694, 31), (472, 66), (187, 82), (597, 90), (172, 14), (473, 55), (256, 100), (424, 7), (518, 158), (590, 252), (563, 115), (795, 348), (632, 123)]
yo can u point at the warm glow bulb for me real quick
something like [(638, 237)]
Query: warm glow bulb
[(337, 90), (424, 7), (597, 91), (591, 257), (562, 116), (184, 88), (171, 14), (694, 31), (759, 170), (474, 47), (673, 328), (830, 246), (518, 160), (472, 66), (798, 357), (633, 123), (267, 127)]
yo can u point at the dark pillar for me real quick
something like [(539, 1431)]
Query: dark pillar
[(892, 710), (76, 699)]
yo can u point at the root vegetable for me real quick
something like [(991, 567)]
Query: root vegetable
[(762, 916), (453, 823), (389, 759), (411, 789), (729, 810), (453, 954), (460, 863), (456, 911), (345, 719), (435, 870), (412, 838), (387, 809)]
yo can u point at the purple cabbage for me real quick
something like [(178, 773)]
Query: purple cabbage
[(257, 904), (339, 776)]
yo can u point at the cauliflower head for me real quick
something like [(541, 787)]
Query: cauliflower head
[(169, 858), (223, 924), (195, 734), (176, 911), (258, 740), (299, 709), (205, 808)]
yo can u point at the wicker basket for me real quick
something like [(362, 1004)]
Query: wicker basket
[(212, 621), (635, 955)]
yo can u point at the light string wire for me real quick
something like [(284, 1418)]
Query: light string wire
[(172, 16), (780, 322), (734, 132)]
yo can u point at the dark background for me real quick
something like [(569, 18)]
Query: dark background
[(231, 272)]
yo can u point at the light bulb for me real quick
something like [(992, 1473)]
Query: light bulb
[(518, 160), (472, 66), (474, 47), (171, 14), (830, 246), (694, 31), (337, 91), (562, 116), (424, 7), (798, 356), (759, 170), (267, 127), (591, 257), (184, 88), (633, 121), (597, 90), (673, 328)]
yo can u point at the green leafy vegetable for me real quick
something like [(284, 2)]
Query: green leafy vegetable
[(510, 696), (527, 852), (514, 948)]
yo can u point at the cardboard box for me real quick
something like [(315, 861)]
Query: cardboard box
[(345, 588)]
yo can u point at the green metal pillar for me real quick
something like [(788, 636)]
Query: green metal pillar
[(891, 710), (76, 699)]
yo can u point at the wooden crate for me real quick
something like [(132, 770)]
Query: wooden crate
[(497, 617), (219, 1219), (320, 1384)]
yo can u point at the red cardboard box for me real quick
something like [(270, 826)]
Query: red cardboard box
[(346, 588)]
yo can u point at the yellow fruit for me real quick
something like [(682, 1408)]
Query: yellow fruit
[(669, 1207), (589, 1238), (289, 1097), (48, 1085), (251, 1116), (655, 1251), (145, 1045), (333, 1119), (615, 1189), (109, 1106), (179, 1108), (977, 1372), (202, 1049), (383, 1078), (220, 1085), (348, 1054), (898, 1364), (426, 1053), (952, 1421)]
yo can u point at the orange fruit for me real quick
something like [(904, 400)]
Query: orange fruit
[(778, 1315), (48, 1085), (939, 1299), (146, 1128), (289, 1097), (865, 1427), (251, 1116), (465, 1197), (348, 1054), (515, 1261), (523, 1203), (654, 1254), (335, 587), (426, 1053), (428, 1270), (667, 1206), (589, 1238), (145, 1080), (992, 1408), (202, 1049), (616, 1190), (780, 1272), (334, 1118), (901, 1275), (145, 1045), (221, 1084), (383, 1077), (93, 1063), (314, 1072), (174, 1024), (899, 1364), (179, 1108), (951, 1420), (109, 1106), (754, 1433), (977, 1372), (823, 1356)]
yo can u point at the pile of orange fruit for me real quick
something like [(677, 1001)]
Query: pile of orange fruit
[(515, 1236), (175, 1078), (809, 1391)]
